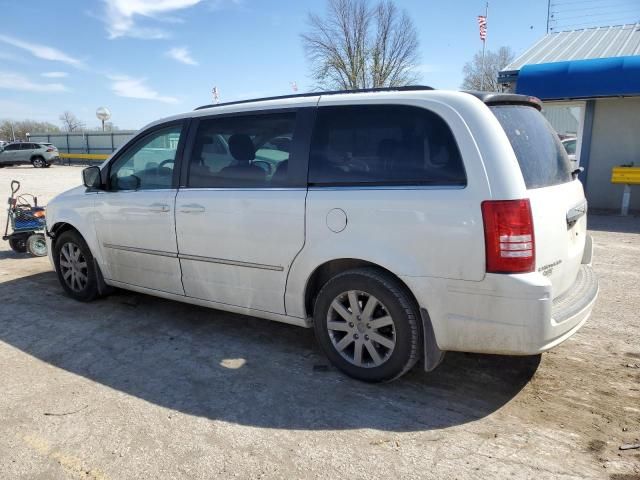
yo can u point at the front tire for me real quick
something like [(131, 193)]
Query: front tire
[(368, 325), (37, 245), (75, 266)]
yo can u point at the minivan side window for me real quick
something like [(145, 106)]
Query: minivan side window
[(242, 151), (147, 164), (383, 145)]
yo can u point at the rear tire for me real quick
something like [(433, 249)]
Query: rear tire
[(38, 162), (18, 243), (368, 325), (75, 266)]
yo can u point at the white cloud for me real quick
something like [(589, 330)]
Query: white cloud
[(220, 4), (15, 81), (120, 16), (55, 74), (125, 86), (181, 54), (42, 51)]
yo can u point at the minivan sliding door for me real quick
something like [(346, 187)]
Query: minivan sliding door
[(241, 210)]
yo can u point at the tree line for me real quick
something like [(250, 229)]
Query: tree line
[(18, 129)]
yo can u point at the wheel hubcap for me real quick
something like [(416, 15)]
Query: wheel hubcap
[(73, 267), (40, 247), (361, 329)]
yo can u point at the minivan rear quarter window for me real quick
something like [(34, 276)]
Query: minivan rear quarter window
[(542, 158), (383, 145)]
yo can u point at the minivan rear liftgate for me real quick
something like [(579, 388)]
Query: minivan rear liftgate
[(557, 202)]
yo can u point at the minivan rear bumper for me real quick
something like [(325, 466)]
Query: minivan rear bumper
[(505, 314)]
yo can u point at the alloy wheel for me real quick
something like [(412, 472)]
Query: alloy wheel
[(73, 267), (361, 329)]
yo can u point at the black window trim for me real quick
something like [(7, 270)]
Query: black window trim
[(140, 137), (388, 184), (301, 142)]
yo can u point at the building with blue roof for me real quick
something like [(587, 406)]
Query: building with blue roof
[(589, 82)]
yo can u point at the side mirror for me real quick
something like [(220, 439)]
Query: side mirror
[(91, 177)]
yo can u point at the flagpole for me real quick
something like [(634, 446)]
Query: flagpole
[(484, 44)]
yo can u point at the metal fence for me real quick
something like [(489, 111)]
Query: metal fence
[(85, 142)]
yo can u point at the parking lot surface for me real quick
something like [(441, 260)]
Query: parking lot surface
[(133, 386)]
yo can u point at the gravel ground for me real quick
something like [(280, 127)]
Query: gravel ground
[(137, 387)]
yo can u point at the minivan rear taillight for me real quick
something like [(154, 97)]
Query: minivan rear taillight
[(508, 236)]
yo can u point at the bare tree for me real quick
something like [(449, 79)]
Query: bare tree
[(70, 122), (358, 46), (20, 128), (493, 63)]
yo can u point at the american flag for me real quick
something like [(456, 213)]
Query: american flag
[(482, 23), (294, 86), (216, 95)]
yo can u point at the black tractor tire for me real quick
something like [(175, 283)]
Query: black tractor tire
[(18, 243)]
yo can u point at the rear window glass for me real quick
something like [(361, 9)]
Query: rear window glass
[(542, 158), (383, 145)]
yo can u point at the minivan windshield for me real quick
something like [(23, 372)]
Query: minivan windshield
[(542, 158)]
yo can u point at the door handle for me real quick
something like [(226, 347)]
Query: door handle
[(192, 208), (159, 208)]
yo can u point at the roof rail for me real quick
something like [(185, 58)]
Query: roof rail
[(406, 88)]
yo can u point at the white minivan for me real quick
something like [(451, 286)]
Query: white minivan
[(398, 223)]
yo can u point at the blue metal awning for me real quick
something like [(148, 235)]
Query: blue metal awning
[(600, 77)]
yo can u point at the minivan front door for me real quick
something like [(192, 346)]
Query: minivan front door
[(134, 221), (240, 220)]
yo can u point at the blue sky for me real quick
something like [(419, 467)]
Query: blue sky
[(146, 59)]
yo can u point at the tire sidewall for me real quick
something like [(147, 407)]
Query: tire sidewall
[(38, 162), (18, 243), (91, 290), (30, 244), (399, 306)]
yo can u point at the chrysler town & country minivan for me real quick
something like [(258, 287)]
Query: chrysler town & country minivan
[(398, 223)]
